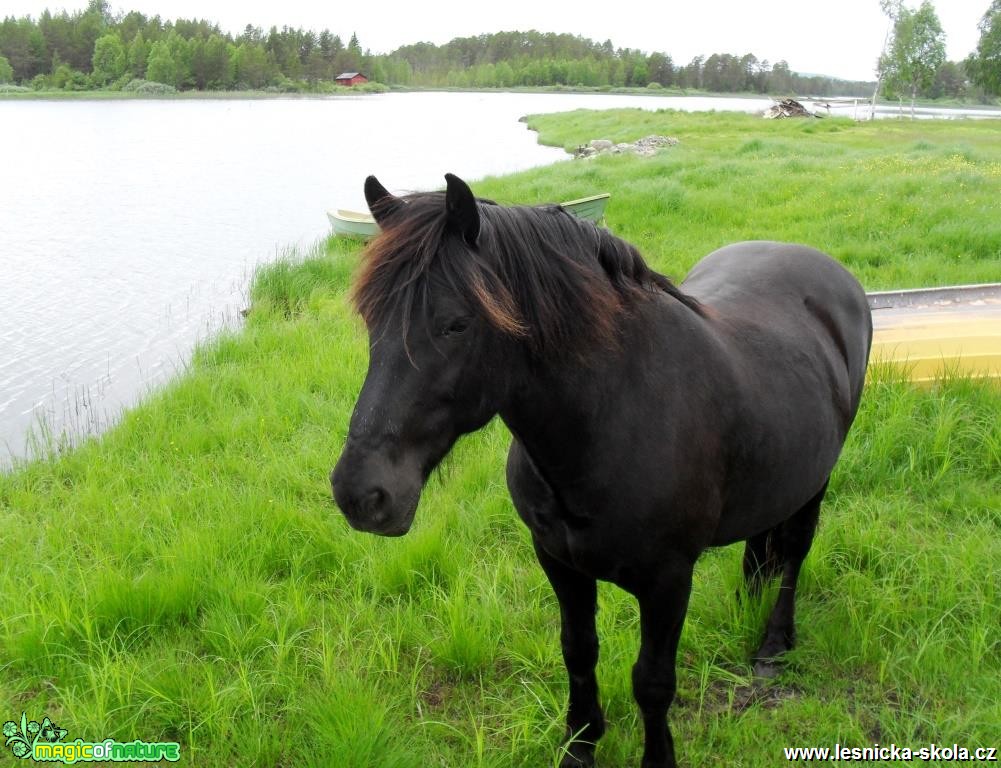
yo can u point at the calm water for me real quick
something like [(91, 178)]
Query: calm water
[(129, 229)]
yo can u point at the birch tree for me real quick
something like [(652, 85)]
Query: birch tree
[(984, 64), (917, 51)]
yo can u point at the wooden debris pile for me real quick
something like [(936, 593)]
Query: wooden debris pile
[(787, 108)]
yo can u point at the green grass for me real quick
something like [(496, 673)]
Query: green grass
[(901, 203), (186, 577)]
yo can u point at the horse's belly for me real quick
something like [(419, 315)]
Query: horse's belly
[(769, 485), (791, 415)]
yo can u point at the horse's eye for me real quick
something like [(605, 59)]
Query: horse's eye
[(456, 327)]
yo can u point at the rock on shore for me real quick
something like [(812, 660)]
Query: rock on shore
[(648, 145)]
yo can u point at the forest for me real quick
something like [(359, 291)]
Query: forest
[(95, 49)]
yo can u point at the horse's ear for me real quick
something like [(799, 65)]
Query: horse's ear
[(461, 207), (380, 202)]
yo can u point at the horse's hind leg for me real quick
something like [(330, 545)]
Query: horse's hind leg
[(761, 560), (795, 537), (578, 596)]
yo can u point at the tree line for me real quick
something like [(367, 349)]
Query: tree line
[(93, 48), (508, 59)]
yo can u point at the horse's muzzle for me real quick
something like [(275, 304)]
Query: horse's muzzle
[(372, 507)]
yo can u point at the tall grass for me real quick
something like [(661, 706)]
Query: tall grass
[(186, 576)]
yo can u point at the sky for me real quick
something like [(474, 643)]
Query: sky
[(841, 38)]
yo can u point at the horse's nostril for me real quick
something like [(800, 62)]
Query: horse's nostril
[(374, 499)]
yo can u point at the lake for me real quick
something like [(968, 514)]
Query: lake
[(129, 229)]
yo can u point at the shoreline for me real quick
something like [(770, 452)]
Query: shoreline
[(100, 95), (665, 93)]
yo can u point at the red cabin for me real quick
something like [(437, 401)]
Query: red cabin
[(350, 78)]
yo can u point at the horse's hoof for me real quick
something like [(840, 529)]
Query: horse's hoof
[(578, 756), (766, 669)]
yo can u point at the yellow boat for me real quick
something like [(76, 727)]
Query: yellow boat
[(931, 333)]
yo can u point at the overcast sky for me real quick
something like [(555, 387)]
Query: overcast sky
[(842, 38)]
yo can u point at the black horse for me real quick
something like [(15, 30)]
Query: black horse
[(649, 422)]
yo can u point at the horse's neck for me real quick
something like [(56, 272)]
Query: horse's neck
[(560, 410), (566, 413), (553, 416)]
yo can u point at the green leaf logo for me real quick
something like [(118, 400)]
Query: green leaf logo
[(21, 738)]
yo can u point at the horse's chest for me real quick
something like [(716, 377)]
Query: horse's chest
[(572, 539), (578, 546), (548, 530)]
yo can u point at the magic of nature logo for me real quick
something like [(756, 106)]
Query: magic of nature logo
[(43, 742)]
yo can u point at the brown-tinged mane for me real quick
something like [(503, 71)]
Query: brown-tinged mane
[(537, 273)]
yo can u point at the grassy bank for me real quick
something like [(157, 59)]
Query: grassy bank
[(901, 203), (185, 577)]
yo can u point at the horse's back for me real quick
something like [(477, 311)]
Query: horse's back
[(763, 271), (787, 289)]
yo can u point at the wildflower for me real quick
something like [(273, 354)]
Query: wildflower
[(20, 749), (9, 729), (34, 727)]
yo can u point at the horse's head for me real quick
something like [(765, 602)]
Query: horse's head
[(436, 322)]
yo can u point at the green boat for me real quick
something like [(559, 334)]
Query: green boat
[(591, 208), (361, 225), (353, 224)]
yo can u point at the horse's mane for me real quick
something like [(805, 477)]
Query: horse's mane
[(538, 273)]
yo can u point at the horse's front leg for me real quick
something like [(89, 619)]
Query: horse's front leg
[(577, 595), (662, 612)]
